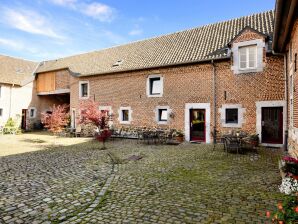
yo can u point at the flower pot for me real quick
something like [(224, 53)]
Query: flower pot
[(179, 138)]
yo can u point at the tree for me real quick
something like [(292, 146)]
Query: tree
[(57, 120), (90, 114)]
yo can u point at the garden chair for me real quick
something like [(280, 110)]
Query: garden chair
[(232, 144)]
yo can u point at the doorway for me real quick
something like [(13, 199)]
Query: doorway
[(272, 125), (197, 125), (24, 118)]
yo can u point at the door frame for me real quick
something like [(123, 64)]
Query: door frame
[(259, 105), (24, 119), (188, 107)]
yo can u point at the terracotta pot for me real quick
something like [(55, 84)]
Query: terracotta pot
[(179, 138)]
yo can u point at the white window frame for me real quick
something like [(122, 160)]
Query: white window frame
[(241, 112), (261, 45), (157, 114), (247, 57), (148, 85), (80, 90), (34, 113), (120, 118)]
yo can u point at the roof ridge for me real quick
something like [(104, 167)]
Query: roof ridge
[(162, 35), (18, 58)]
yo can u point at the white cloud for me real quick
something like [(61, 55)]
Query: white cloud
[(11, 44), (29, 21), (135, 32), (96, 10), (64, 2)]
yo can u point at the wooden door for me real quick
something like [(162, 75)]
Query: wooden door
[(24, 118), (272, 125)]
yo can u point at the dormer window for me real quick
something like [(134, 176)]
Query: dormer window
[(248, 57)]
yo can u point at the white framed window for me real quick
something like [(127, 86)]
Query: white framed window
[(232, 115), (155, 86), (248, 57), (1, 112), (32, 112), (84, 89), (125, 115), (162, 114)]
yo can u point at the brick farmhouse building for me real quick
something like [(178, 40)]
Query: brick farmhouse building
[(211, 79)]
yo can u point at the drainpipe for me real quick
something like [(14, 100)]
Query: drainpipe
[(286, 97), (214, 102)]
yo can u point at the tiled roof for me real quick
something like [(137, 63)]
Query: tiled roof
[(198, 44), (14, 70)]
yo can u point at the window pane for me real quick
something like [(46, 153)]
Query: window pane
[(232, 116), (242, 57), (125, 115), (163, 114), (1, 112), (252, 56), (155, 86), (84, 89)]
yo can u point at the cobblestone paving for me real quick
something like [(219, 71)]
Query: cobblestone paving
[(188, 183)]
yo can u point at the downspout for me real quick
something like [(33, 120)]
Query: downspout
[(214, 102), (286, 97), (287, 103)]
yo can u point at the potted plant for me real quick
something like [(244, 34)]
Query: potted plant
[(179, 135)]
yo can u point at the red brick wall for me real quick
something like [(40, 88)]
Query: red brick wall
[(187, 84), (293, 132)]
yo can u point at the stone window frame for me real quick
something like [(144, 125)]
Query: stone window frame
[(120, 118), (236, 56), (34, 113), (73, 118), (156, 111), (241, 112), (80, 90), (148, 85)]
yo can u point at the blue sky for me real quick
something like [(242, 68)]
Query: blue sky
[(48, 29)]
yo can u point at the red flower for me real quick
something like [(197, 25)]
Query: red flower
[(279, 205), (296, 209), (268, 214)]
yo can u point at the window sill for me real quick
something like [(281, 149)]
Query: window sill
[(84, 97), (157, 95), (231, 125), (124, 122), (162, 122)]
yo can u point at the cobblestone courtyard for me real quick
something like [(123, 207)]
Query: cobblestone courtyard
[(189, 183)]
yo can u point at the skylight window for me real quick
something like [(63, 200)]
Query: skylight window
[(118, 63)]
